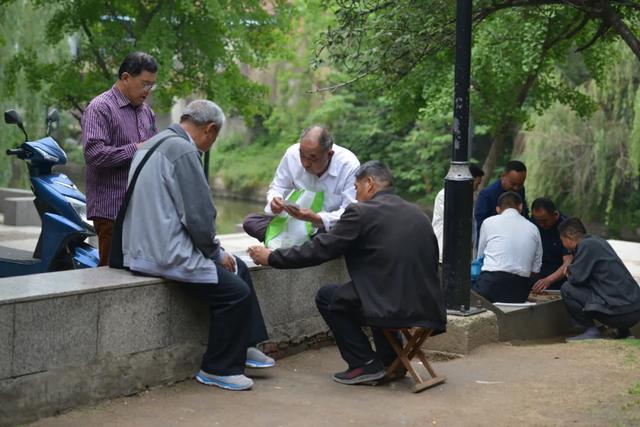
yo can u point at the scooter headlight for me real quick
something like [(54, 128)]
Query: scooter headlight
[(80, 208)]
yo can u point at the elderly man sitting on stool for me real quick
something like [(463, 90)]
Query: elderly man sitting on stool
[(392, 258), (599, 286)]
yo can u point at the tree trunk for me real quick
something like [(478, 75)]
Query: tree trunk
[(497, 148)]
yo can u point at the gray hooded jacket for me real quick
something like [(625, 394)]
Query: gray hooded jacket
[(169, 229)]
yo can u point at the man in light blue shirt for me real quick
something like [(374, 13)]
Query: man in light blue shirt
[(512, 250)]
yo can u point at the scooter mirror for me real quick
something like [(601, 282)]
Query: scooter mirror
[(12, 117), (53, 116)]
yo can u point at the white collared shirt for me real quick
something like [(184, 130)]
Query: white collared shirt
[(511, 243), (337, 182)]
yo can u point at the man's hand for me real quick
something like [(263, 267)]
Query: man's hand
[(277, 205), (229, 262), (259, 254), (304, 214), (541, 285)]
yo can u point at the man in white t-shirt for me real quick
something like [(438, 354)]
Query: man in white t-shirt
[(512, 250), (314, 164)]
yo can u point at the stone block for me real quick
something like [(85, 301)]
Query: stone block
[(544, 320), (20, 211), (188, 317), (6, 339), (54, 332), (287, 298), (274, 296), (466, 333), (41, 394), (133, 320), (12, 192)]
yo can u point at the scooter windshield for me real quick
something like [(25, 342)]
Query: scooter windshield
[(46, 150)]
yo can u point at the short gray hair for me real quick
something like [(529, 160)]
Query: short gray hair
[(376, 170), (202, 111), (325, 140)]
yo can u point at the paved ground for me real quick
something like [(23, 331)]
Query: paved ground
[(583, 384)]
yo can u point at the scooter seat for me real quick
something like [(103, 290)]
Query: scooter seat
[(16, 256)]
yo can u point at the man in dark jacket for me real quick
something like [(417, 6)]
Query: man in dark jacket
[(392, 258), (598, 286), (512, 179), (555, 257)]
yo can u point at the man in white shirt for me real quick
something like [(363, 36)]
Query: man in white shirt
[(512, 250), (314, 164), (438, 210)]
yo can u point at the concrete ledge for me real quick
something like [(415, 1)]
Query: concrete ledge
[(12, 192), (20, 211), (73, 338), (466, 333)]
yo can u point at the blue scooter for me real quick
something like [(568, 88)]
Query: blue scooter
[(61, 206)]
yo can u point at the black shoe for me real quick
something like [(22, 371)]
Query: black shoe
[(372, 371)]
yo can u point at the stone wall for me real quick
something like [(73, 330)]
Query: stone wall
[(73, 338)]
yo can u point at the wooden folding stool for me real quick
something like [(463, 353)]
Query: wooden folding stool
[(415, 338)]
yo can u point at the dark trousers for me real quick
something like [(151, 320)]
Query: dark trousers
[(104, 231), (235, 320), (346, 324), (500, 286), (255, 225), (575, 298)]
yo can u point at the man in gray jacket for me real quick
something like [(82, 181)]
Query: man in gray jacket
[(169, 231)]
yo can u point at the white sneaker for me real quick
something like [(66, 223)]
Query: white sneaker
[(257, 359), (227, 382)]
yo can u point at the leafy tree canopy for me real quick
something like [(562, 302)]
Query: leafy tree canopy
[(404, 49), (201, 47)]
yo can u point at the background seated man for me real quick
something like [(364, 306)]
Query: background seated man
[(512, 249), (314, 164), (555, 256), (169, 231), (512, 179), (392, 258), (598, 286)]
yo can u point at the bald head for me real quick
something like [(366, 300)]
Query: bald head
[(318, 135), (316, 150)]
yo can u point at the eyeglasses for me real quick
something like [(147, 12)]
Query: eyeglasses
[(148, 87)]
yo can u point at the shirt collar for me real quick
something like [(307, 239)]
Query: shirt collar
[(121, 99), (510, 211)]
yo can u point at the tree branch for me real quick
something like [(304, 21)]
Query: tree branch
[(615, 21), (335, 87), (96, 52)]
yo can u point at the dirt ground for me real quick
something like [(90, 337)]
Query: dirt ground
[(580, 384)]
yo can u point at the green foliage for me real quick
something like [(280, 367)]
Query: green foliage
[(404, 50), (635, 389), (199, 46), (590, 165), (247, 161), (247, 169), (15, 89)]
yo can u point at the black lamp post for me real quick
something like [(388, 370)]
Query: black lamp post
[(458, 187)]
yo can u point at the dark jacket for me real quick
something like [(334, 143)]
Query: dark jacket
[(488, 200), (392, 257), (597, 270)]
